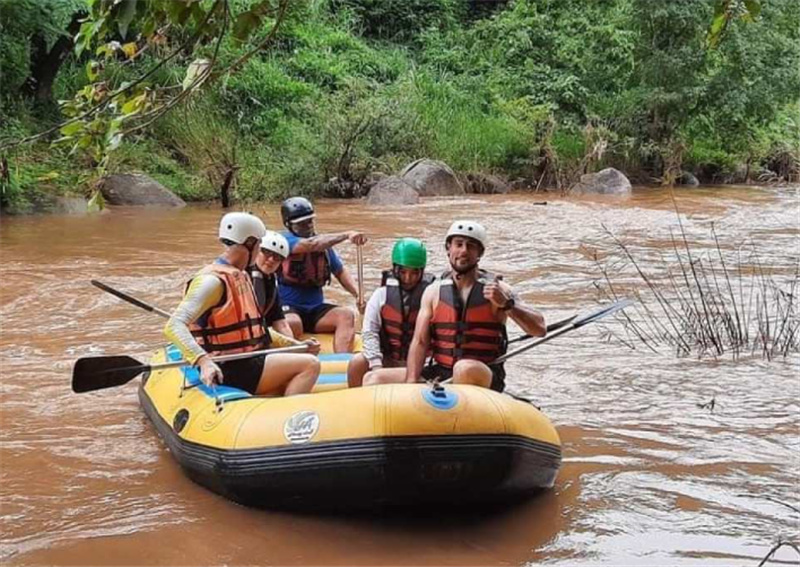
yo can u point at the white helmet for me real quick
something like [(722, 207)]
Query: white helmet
[(275, 242), (238, 227), (470, 229)]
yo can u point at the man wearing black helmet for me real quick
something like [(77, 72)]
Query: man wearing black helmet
[(308, 269)]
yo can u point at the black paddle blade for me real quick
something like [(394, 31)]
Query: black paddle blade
[(98, 372)]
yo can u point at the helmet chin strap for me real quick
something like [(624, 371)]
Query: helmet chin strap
[(250, 255)]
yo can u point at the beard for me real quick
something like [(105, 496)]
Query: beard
[(463, 268)]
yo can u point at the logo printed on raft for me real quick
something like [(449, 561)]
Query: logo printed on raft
[(301, 427)]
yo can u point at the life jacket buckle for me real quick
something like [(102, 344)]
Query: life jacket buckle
[(437, 390)]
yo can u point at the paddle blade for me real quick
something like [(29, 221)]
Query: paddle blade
[(98, 372)]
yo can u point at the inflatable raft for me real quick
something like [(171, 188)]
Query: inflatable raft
[(402, 444)]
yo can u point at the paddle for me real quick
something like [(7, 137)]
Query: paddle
[(360, 264), (99, 372), (130, 299), (550, 328), (577, 323)]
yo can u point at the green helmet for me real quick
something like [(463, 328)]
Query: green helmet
[(409, 253)]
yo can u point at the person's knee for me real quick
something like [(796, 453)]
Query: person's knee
[(312, 364), (358, 364), (472, 372), (369, 379), (295, 324), (356, 370), (346, 318)]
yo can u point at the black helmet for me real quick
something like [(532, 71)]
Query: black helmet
[(296, 209)]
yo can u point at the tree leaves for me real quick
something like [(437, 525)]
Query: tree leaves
[(248, 21), (725, 11), (126, 14)]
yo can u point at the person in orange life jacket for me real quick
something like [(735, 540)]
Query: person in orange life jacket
[(273, 251), (389, 318), (462, 317), (308, 269), (219, 314)]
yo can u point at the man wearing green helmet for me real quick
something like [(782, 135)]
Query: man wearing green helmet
[(390, 317)]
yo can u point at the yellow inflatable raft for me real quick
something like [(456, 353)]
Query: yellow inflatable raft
[(394, 444)]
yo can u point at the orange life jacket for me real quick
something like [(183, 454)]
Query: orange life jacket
[(235, 325), (306, 270), (472, 331), (399, 315)]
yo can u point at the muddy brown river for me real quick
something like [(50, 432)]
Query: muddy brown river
[(651, 475)]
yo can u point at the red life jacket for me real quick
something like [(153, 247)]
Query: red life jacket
[(235, 325), (399, 315), (472, 331), (306, 270)]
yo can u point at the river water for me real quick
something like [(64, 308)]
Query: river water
[(649, 477)]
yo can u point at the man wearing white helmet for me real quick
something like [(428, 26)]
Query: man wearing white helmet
[(462, 317), (219, 314)]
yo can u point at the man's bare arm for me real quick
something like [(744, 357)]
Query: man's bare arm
[(531, 321), (422, 335), (322, 242), (346, 279)]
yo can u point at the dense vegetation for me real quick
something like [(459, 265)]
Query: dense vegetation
[(536, 90)]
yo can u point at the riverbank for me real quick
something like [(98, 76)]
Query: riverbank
[(42, 180), (535, 93)]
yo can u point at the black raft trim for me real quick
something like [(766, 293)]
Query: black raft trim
[(242, 474)]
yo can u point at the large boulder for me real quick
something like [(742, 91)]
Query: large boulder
[(392, 191), (485, 184), (138, 190), (686, 178), (608, 181), (432, 178)]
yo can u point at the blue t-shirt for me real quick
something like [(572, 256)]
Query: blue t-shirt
[(306, 298)]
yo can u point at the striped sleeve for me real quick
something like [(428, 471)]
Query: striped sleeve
[(205, 292)]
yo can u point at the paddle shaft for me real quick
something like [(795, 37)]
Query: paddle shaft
[(360, 265), (578, 323), (228, 357), (130, 299), (98, 372), (550, 328)]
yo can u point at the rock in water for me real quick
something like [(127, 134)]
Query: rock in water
[(432, 178), (392, 191), (136, 189), (608, 181)]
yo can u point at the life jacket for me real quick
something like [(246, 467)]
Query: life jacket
[(399, 315), (472, 331), (235, 325), (312, 269), (266, 295)]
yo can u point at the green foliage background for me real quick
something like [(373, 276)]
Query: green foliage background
[(538, 90)]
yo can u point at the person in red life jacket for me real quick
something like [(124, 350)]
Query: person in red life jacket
[(274, 250), (219, 314), (462, 317), (390, 316), (311, 262)]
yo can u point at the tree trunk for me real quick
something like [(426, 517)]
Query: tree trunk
[(45, 64), (224, 191)]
